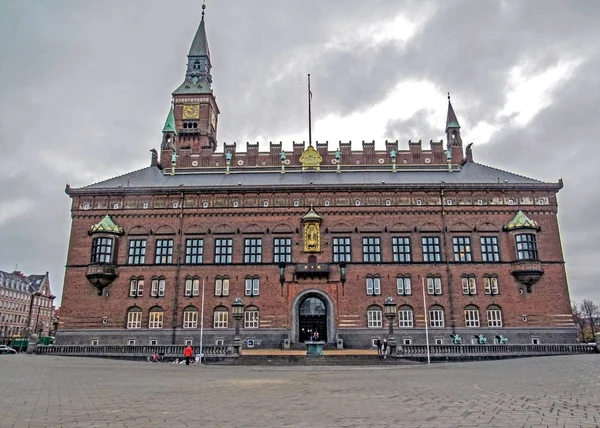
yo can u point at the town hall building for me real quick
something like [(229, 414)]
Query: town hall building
[(315, 238)]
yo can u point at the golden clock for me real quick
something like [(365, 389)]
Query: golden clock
[(191, 111)]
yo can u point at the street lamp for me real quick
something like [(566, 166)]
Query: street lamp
[(389, 308), (237, 311)]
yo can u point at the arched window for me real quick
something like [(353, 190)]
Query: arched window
[(252, 287), (436, 316), (190, 317), (136, 286), (490, 284), (405, 317), (221, 317), (251, 317), (158, 287), (403, 285), (155, 318), (469, 284), (374, 317), (221, 286), (434, 285), (494, 316), (471, 316), (192, 286), (373, 283), (134, 318)]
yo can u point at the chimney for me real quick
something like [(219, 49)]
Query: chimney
[(154, 157)]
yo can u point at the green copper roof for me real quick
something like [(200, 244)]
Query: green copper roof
[(199, 45), (170, 123), (521, 221), (451, 120), (107, 225), (312, 215)]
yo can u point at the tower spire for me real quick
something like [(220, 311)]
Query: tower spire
[(451, 120)]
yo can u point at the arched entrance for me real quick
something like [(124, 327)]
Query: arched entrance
[(312, 317), (312, 310)]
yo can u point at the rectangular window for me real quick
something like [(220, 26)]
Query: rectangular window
[(190, 319), (158, 287), (251, 319), (436, 318), (490, 284), (434, 285), (137, 252), (373, 286), (490, 250), (403, 286), (156, 320), (469, 285), (405, 318), (282, 250), (136, 287), (401, 249), (341, 250), (374, 318), (431, 249), (222, 287), (494, 317), (252, 286), (102, 249), (526, 246), (164, 251), (462, 248), (221, 319), (192, 287), (134, 320), (223, 250), (471, 318), (252, 250), (371, 249), (194, 250)]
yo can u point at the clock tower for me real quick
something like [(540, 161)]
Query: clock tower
[(192, 133)]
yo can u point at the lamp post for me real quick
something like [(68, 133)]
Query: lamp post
[(237, 311), (389, 308)]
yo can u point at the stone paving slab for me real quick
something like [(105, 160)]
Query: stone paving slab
[(52, 391)]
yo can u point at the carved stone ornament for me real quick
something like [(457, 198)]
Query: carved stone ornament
[(311, 159)]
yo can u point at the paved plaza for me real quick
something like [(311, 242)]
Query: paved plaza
[(50, 391)]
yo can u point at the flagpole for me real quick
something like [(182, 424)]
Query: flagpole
[(426, 321), (201, 323), (309, 114)]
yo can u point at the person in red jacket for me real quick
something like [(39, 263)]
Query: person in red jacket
[(187, 353)]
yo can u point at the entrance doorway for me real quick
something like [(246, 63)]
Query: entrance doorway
[(313, 317)]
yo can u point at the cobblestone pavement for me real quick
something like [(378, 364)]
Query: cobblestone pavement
[(50, 391)]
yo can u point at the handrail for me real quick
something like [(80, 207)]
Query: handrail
[(132, 350)]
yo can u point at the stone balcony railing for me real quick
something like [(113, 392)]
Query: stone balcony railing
[(126, 351), (493, 350), (527, 272)]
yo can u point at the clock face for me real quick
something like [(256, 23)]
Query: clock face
[(191, 111)]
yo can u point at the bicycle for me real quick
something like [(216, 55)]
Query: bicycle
[(156, 358)]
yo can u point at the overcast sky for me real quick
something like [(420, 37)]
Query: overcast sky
[(85, 87)]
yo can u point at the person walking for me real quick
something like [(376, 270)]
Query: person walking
[(378, 344), (384, 348), (187, 353)]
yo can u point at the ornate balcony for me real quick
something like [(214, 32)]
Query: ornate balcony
[(527, 272), (101, 276), (312, 270)]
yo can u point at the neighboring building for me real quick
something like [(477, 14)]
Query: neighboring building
[(25, 300), (311, 239)]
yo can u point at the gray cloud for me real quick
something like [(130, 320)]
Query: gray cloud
[(86, 87)]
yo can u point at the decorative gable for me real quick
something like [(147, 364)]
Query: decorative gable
[(521, 221), (107, 225)]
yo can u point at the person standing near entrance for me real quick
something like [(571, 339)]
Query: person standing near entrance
[(378, 344), (187, 353), (384, 351)]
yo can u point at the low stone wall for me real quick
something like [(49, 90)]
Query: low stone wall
[(133, 352)]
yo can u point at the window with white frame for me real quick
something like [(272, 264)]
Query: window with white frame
[(490, 249), (251, 317), (164, 251), (136, 287), (137, 252), (190, 318), (436, 316), (223, 250), (158, 287), (221, 286), (526, 246), (374, 317), (156, 318), (401, 249), (403, 285), (252, 287), (252, 250), (102, 249), (373, 286), (371, 249), (221, 318), (194, 251), (432, 252), (134, 318), (490, 285), (341, 250), (471, 316), (494, 316), (405, 317), (282, 250), (462, 248), (469, 284), (434, 285), (192, 287)]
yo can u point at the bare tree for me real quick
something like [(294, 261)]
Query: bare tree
[(579, 320), (589, 310)]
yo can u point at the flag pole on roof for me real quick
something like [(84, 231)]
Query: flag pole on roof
[(309, 114)]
